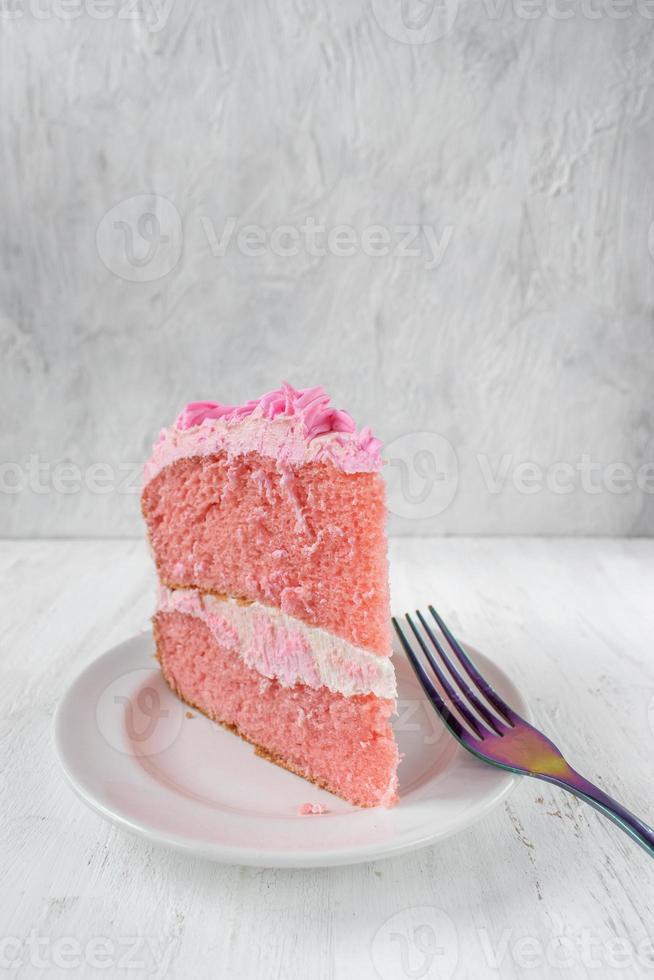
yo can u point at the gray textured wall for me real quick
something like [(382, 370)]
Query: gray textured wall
[(488, 306)]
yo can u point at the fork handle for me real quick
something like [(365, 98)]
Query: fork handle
[(641, 832)]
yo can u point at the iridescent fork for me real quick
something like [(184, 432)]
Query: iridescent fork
[(493, 731)]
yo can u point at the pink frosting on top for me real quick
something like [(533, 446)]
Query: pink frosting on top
[(309, 405), (292, 425)]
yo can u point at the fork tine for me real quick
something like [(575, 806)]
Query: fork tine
[(427, 684), (491, 721), (451, 692), (501, 706)]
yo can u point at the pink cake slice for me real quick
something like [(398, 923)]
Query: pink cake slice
[(267, 525)]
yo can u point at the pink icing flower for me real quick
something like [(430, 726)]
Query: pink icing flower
[(309, 405), (315, 431)]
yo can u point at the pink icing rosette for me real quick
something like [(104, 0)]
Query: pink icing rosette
[(315, 431), (309, 405)]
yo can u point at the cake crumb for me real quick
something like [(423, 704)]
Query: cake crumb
[(310, 808), (189, 714)]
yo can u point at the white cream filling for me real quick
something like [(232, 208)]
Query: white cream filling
[(284, 648)]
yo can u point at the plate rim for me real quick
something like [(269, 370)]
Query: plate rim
[(264, 858)]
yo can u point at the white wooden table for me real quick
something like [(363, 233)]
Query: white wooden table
[(542, 887)]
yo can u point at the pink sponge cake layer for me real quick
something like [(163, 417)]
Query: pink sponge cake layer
[(267, 525), (344, 744), (309, 540)]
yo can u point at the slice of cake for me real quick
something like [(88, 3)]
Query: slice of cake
[(267, 525)]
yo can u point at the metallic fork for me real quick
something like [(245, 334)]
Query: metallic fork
[(493, 731)]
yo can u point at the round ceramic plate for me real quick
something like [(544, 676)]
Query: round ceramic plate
[(139, 757)]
